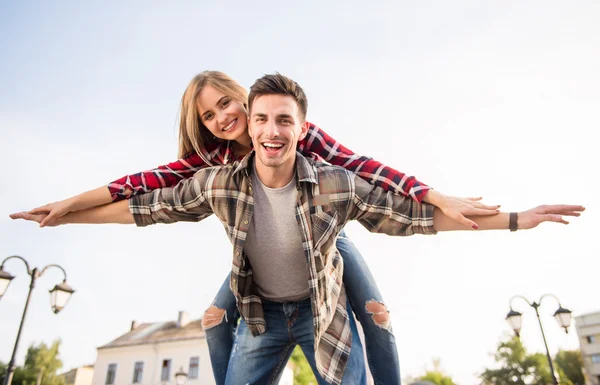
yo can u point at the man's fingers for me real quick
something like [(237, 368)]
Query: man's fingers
[(550, 209), (553, 218)]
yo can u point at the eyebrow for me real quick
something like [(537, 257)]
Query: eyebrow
[(280, 116), (218, 102)]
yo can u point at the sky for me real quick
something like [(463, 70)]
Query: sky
[(498, 99)]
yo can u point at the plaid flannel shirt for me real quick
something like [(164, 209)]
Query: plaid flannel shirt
[(317, 145), (328, 197)]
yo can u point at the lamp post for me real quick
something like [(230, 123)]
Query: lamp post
[(59, 296), (181, 377), (562, 316)]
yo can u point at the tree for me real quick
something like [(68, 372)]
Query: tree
[(517, 367), (437, 375), (3, 368), (303, 374), (41, 360), (571, 364)]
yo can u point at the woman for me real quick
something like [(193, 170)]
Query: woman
[(213, 131)]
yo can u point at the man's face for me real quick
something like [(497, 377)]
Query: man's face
[(276, 127)]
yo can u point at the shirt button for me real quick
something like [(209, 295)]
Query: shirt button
[(246, 222), (237, 253)]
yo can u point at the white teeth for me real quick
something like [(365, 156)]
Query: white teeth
[(273, 145), (229, 125)]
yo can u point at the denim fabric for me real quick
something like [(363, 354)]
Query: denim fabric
[(220, 337), (261, 359), (382, 354)]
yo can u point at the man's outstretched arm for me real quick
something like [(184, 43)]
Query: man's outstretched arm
[(111, 213), (525, 219), (184, 202), (391, 214)]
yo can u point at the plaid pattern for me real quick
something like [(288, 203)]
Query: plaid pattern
[(329, 197), (317, 145)]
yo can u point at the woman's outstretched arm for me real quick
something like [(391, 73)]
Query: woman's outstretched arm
[(325, 147)]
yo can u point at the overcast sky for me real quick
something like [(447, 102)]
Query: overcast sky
[(499, 99)]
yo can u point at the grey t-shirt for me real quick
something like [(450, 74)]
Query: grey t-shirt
[(274, 244)]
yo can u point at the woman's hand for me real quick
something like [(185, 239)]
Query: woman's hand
[(39, 218), (52, 212), (458, 208)]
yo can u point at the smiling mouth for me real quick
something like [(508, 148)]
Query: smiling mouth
[(229, 126), (271, 147)]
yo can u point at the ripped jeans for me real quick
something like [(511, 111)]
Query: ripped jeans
[(261, 359), (221, 319)]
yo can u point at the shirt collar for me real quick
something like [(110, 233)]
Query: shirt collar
[(305, 169)]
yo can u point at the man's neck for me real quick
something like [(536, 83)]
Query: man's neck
[(274, 177)]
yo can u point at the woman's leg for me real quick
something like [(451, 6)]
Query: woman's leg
[(369, 308), (219, 323)]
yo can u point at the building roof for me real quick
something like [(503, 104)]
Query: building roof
[(151, 333)]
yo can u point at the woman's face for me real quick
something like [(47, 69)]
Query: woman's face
[(224, 117)]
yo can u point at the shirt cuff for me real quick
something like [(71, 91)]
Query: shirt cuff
[(140, 209)]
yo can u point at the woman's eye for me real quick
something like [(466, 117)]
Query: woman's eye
[(208, 117), (226, 102)]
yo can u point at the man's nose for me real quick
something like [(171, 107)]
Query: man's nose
[(272, 129)]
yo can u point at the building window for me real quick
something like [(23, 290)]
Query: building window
[(591, 339), (111, 373), (596, 358), (166, 370), (194, 366), (138, 370)]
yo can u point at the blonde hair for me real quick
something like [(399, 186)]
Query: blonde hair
[(193, 135)]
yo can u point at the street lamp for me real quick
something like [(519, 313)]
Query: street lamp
[(59, 296), (562, 316), (181, 377)]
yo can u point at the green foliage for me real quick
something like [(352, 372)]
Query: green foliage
[(303, 374), (437, 376), (3, 369), (517, 367), (40, 359), (570, 363)]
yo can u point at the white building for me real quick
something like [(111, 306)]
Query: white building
[(151, 354), (79, 376), (588, 330)]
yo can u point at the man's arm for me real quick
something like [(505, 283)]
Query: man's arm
[(111, 213), (392, 214), (525, 220), (185, 202)]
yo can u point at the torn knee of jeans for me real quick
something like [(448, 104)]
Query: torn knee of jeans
[(379, 314), (213, 317)]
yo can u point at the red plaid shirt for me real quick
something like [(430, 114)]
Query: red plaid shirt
[(316, 145)]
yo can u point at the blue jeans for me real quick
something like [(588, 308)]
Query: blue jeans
[(261, 359), (382, 354)]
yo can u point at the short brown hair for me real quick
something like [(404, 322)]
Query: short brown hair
[(277, 84)]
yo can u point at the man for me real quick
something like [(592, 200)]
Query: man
[(283, 213)]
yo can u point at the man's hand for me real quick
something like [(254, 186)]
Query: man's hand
[(52, 212), (39, 218), (547, 213), (458, 208)]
